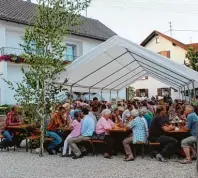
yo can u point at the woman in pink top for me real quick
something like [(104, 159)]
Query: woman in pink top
[(76, 125), (102, 127)]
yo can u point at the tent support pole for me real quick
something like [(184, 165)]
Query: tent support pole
[(89, 94), (185, 92), (172, 81), (101, 94), (113, 73), (161, 78), (70, 97), (110, 95), (194, 93), (179, 94), (100, 67), (157, 65), (117, 93), (167, 78), (122, 77), (182, 94), (131, 82), (167, 75), (189, 94), (129, 79)]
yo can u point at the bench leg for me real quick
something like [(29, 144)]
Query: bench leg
[(31, 145), (134, 151), (93, 148), (143, 151), (26, 141)]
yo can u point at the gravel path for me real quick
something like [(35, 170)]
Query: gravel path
[(26, 165)]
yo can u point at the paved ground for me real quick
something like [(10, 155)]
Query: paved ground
[(26, 165)]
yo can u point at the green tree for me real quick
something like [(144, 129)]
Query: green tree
[(192, 56), (44, 54)]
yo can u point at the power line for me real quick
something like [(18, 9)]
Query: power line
[(163, 7), (143, 3), (166, 31), (186, 30)]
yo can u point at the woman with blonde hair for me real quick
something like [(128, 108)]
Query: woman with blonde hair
[(67, 116)]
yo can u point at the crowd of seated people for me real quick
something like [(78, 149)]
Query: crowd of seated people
[(147, 121)]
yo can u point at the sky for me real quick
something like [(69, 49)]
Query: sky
[(136, 19)]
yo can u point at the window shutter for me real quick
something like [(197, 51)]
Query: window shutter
[(165, 53), (168, 54), (138, 93), (159, 92), (146, 93)]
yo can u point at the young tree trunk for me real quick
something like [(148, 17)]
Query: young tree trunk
[(42, 139), (43, 119)]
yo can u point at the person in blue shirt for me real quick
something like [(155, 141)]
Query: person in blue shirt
[(147, 116), (187, 143), (140, 134), (87, 129)]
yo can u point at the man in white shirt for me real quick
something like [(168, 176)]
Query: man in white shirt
[(92, 115), (127, 114)]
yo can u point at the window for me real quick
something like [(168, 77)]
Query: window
[(196, 91), (163, 91), (142, 92), (165, 53), (157, 40), (144, 78), (70, 52), (130, 93)]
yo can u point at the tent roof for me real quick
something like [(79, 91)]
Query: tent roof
[(118, 63)]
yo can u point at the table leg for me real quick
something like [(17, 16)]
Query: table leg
[(26, 140), (14, 141)]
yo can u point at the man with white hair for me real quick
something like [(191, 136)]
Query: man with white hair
[(187, 143), (140, 134)]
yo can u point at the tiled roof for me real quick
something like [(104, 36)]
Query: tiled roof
[(174, 41), (23, 12), (194, 45)]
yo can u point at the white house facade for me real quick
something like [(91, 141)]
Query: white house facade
[(12, 28), (173, 50)]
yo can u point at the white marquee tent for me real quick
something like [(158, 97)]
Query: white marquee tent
[(118, 63)]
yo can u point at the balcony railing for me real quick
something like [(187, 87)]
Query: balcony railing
[(9, 51), (18, 51)]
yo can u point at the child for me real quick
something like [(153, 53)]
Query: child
[(76, 125)]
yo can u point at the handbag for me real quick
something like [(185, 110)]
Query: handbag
[(98, 136)]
